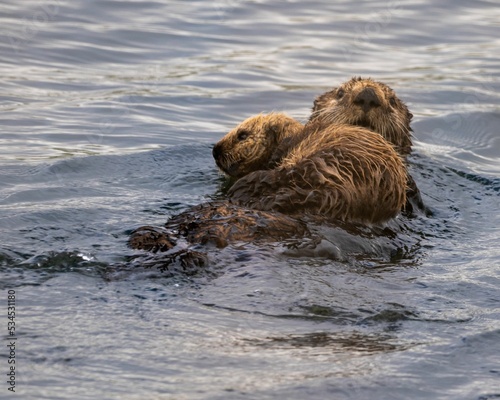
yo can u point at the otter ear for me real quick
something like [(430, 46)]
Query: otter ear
[(273, 129), (410, 115), (319, 102)]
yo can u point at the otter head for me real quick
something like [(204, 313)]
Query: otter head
[(370, 104), (250, 145)]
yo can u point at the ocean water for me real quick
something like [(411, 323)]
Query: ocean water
[(109, 111)]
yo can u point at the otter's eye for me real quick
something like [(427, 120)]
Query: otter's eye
[(392, 100), (340, 93), (242, 135)]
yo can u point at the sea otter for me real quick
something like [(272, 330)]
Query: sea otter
[(372, 104), (359, 101), (228, 220), (251, 145), (341, 173), (246, 148), (368, 103), (261, 141), (337, 172)]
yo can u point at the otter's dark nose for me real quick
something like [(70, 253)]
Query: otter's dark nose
[(367, 99), (217, 151)]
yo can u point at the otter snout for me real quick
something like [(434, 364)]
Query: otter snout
[(217, 151), (220, 155), (367, 99)]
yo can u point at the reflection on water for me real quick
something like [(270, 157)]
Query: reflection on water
[(340, 343), (469, 140), (109, 111)]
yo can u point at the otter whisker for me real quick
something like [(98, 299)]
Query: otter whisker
[(318, 114)]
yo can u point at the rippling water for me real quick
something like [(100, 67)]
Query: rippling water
[(109, 110)]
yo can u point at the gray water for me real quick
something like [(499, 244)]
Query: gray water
[(109, 110)]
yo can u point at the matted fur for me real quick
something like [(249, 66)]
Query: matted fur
[(222, 222), (338, 172), (250, 145), (218, 223), (385, 113), (341, 172)]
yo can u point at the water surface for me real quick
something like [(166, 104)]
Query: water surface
[(109, 111)]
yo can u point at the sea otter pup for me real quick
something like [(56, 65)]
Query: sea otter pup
[(368, 103), (250, 146), (246, 148), (341, 172)]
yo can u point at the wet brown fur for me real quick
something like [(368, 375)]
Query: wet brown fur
[(368, 103), (339, 172), (382, 112), (250, 146), (217, 223), (222, 222)]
